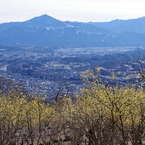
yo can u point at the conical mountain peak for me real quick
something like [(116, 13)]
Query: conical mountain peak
[(45, 20)]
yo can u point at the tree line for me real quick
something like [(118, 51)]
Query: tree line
[(101, 114)]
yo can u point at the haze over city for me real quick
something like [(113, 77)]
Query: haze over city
[(72, 10)]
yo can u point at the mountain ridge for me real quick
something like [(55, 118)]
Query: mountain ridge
[(45, 30), (118, 25)]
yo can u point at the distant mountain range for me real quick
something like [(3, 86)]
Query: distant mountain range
[(48, 31)]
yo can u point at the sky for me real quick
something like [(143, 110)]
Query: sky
[(71, 10)]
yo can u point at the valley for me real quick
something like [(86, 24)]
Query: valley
[(52, 69), (47, 54)]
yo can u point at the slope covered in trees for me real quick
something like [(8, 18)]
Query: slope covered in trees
[(48, 31), (102, 114)]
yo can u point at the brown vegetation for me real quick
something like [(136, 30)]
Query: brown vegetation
[(100, 115)]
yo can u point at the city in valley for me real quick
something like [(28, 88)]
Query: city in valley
[(51, 69)]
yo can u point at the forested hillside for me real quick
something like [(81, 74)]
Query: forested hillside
[(48, 31), (101, 114)]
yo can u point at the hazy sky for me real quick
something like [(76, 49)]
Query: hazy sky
[(72, 10)]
